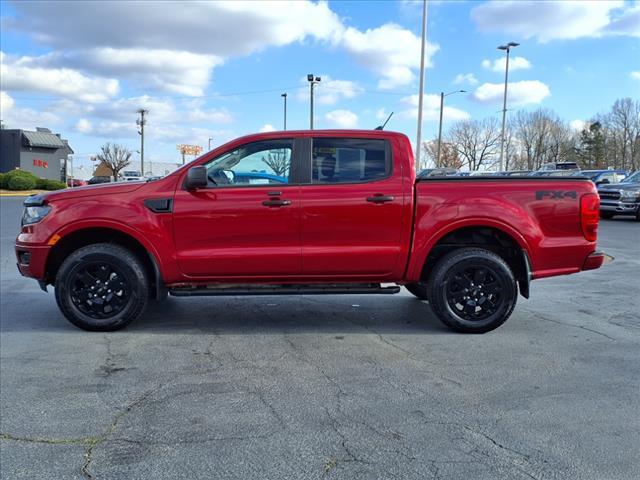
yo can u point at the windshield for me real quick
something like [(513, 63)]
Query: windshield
[(632, 178)]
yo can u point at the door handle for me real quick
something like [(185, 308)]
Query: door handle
[(276, 203), (380, 198)]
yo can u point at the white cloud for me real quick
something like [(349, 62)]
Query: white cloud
[(27, 74), (577, 125), (499, 64), (465, 78), (635, 75), (84, 126), (341, 118), (24, 118), (519, 93), (177, 52), (557, 20), (391, 51), (267, 127), (167, 119), (173, 71), (329, 91), (430, 109)]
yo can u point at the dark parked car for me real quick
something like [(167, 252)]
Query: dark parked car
[(600, 177), (621, 198), (100, 179)]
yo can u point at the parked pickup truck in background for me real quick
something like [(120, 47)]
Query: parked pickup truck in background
[(621, 198), (350, 217)]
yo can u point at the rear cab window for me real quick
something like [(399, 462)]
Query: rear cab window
[(349, 160)]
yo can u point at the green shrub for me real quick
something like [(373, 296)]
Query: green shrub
[(41, 183), (3, 180), (54, 185), (21, 182)]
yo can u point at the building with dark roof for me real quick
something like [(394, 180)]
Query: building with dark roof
[(41, 152)]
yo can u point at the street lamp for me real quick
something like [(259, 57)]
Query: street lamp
[(442, 95), (284, 96), (312, 81), (507, 48), (141, 123)]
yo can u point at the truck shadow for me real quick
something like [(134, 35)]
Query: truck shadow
[(31, 311), (264, 315)]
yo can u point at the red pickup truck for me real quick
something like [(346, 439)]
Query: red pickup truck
[(316, 212)]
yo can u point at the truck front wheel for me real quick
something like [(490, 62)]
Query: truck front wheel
[(472, 290), (101, 287)]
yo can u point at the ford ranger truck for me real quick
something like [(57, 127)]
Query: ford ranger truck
[(347, 215)]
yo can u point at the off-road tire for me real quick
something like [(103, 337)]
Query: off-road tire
[(112, 266), (446, 284)]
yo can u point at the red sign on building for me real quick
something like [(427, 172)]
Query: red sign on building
[(40, 163)]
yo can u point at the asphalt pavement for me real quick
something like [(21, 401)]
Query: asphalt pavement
[(344, 387)]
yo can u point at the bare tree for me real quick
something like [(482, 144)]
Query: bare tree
[(115, 157), (624, 120), (477, 142), (278, 161), (543, 137), (448, 154)]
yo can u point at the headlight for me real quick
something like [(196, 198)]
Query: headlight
[(34, 214), (629, 194)]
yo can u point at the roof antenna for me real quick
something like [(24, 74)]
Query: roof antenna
[(381, 127)]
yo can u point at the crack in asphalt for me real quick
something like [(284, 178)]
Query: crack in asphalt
[(90, 443), (524, 459), (109, 365), (582, 327)]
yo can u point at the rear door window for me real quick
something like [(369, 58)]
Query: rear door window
[(349, 160)]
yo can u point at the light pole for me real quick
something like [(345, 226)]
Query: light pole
[(284, 95), (421, 93), (442, 95), (506, 48), (210, 143), (141, 123), (312, 81)]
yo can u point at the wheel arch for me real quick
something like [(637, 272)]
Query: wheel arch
[(81, 235), (491, 235)]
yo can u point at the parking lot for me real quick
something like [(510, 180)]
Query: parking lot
[(348, 387)]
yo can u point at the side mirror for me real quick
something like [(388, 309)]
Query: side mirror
[(196, 178), (603, 181)]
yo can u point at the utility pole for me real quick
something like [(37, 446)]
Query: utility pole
[(442, 95), (210, 143), (141, 122), (312, 81), (507, 48), (284, 95), (421, 93)]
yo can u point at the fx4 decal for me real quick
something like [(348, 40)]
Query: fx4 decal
[(556, 194)]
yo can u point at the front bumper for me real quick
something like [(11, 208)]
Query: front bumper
[(32, 260), (619, 207)]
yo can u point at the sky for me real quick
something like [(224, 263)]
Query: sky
[(217, 69)]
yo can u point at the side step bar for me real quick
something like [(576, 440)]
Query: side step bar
[(316, 289)]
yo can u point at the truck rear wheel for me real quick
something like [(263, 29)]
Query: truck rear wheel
[(472, 290), (101, 287)]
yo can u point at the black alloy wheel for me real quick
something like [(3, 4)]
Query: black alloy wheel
[(99, 290), (472, 290), (102, 287)]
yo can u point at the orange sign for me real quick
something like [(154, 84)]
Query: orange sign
[(189, 149)]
